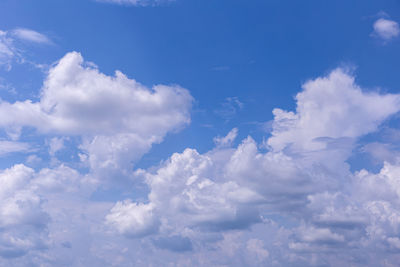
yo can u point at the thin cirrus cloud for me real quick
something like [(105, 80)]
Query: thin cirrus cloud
[(386, 29)]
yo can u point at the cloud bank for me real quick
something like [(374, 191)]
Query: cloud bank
[(293, 200)]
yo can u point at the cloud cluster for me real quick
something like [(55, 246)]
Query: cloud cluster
[(304, 177), (293, 201)]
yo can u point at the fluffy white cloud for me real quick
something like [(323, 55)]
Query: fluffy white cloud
[(303, 182), (133, 220), (298, 203), (386, 29), (118, 118), (333, 107), (22, 219)]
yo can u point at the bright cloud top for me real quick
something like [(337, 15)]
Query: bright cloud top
[(386, 29)]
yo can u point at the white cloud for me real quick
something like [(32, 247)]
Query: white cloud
[(22, 218), (116, 116), (386, 29), (31, 36), (226, 140), (303, 180), (55, 144), (133, 220), (333, 107), (7, 147), (298, 203), (9, 50)]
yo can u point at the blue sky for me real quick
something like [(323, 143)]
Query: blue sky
[(199, 133)]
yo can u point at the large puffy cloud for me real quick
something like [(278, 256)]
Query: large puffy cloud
[(333, 107), (78, 99), (302, 185), (118, 118)]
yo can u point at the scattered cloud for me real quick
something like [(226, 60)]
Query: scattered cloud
[(229, 108), (226, 140), (9, 51), (386, 29), (30, 36)]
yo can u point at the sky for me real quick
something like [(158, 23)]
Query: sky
[(199, 133)]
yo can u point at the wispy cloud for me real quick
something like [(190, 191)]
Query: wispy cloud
[(9, 50), (31, 36), (229, 108)]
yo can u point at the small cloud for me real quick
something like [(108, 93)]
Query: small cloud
[(385, 29), (31, 36), (56, 144), (229, 108), (226, 140)]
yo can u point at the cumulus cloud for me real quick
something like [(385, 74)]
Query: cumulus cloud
[(115, 115), (386, 29), (333, 107), (303, 179), (22, 219), (295, 202)]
